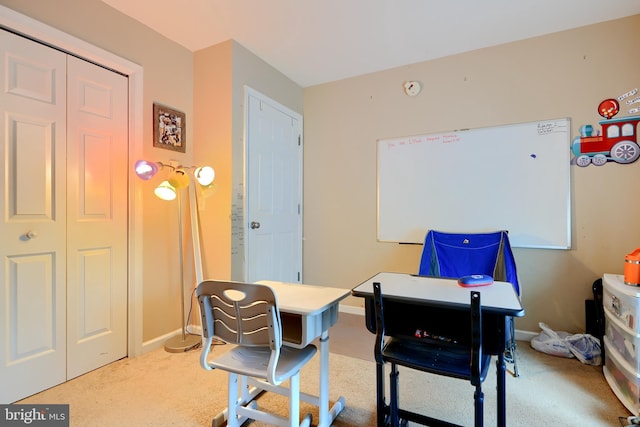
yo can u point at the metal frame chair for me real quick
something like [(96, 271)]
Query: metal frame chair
[(454, 255), (462, 360), (248, 316)]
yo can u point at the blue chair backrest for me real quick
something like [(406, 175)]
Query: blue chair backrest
[(455, 255)]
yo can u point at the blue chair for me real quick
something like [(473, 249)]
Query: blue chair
[(454, 255)]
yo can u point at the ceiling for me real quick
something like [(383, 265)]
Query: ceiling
[(318, 41)]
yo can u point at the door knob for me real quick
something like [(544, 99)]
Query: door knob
[(31, 235), (254, 225)]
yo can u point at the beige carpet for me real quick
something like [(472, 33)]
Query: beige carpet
[(164, 389)]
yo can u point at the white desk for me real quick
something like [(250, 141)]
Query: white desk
[(307, 312), (499, 300)]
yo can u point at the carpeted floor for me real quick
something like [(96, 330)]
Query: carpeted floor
[(168, 389)]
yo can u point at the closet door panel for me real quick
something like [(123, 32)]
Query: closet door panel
[(33, 217), (97, 216), (63, 223)]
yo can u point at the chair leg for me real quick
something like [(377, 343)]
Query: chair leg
[(245, 396), (511, 346), (380, 400), (232, 416), (394, 398), (515, 362), (511, 357), (294, 400), (514, 352), (478, 401)]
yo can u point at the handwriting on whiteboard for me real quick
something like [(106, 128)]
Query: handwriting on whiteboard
[(446, 138), (545, 128)]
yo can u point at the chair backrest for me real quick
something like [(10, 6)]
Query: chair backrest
[(476, 366), (379, 314), (455, 255), (240, 313)]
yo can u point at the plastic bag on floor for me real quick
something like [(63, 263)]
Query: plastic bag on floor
[(584, 347), (552, 342)]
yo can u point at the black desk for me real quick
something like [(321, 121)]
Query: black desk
[(441, 307)]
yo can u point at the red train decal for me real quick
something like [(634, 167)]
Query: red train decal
[(618, 141)]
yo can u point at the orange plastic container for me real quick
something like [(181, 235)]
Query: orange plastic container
[(632, 268)]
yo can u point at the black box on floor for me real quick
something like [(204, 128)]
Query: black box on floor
[(590, 317)]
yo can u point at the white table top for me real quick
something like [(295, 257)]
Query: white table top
[(499, 296), (304, 299)]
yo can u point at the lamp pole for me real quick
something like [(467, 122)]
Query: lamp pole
[(183, 342), (168, 190)]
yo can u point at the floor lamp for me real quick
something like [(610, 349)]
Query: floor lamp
[(171, 189)]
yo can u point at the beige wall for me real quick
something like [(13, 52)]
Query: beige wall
[(213, 68), (221, 74), (215, 113), (251, 71), (560, 75), (168, 79)]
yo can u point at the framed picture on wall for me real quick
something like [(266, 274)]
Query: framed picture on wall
[(169, 128)]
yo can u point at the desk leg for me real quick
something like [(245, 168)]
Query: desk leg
[(326, 415), (501, 382), (501, 369)]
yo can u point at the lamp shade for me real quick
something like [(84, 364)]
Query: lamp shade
[(145, 169), (205, 175), (165, 191), (179, 179)]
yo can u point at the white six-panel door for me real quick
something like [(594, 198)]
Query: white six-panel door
[(33, 224), (274, 191), (63, 200), (96, 216)]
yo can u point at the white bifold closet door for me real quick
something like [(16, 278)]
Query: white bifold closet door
[(63, 192)]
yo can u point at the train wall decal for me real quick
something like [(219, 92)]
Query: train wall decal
[(618, 141)]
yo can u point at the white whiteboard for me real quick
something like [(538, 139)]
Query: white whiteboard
[(513, 177)]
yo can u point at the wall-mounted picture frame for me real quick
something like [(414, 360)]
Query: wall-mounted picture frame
[(169, 128)]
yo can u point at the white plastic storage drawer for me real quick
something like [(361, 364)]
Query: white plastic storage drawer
[(623, 301), (623, 339), (623, 381)]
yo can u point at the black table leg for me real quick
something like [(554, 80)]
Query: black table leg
[(500, 373)]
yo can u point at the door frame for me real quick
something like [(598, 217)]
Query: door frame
[(21, 24)]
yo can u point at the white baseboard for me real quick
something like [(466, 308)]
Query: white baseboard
[(158, 342), (525, 335)]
